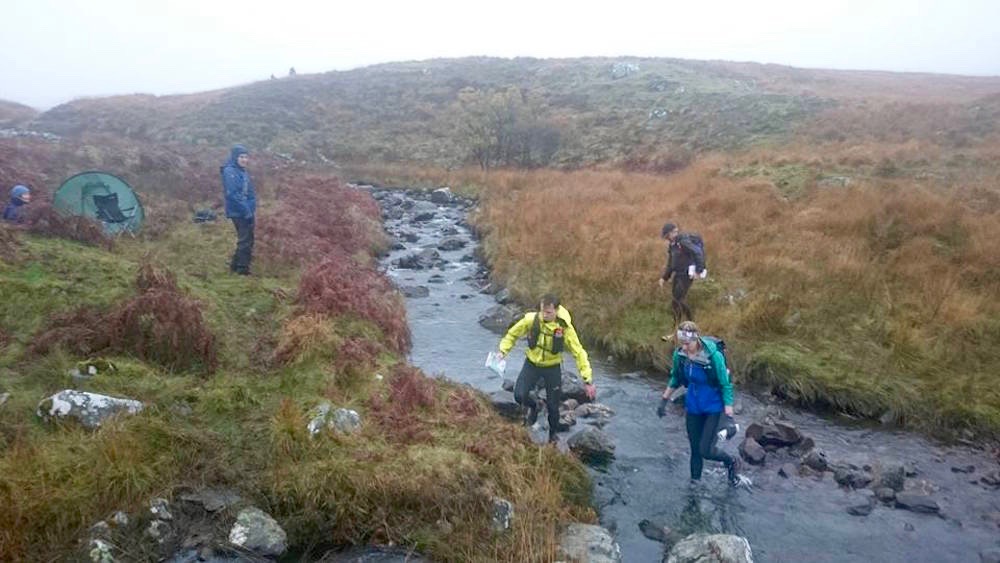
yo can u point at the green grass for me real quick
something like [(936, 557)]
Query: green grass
[(245, 426)]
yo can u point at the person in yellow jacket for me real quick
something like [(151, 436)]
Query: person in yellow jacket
[(550, 331)]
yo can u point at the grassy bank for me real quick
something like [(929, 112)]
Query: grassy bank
[(871, 293), (316, 323)]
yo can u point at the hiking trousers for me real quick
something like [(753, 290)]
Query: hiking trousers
[(244, 245), (703, 431), (527, 380), (681, 284)]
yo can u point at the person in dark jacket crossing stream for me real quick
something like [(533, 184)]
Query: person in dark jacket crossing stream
[(701, 367), (241, 206), (550, 331)]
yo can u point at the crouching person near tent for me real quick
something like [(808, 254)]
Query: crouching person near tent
[(19, 197), (241, 206), (699, 365), (550, 331)]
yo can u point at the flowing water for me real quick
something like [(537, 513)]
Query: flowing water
[(785, 519)]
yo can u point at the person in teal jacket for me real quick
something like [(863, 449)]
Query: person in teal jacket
[(701, 367)]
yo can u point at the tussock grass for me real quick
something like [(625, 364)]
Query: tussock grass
[(423, 472), (875, 298)]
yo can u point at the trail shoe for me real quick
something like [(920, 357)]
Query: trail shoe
[(532, 417), (553, 438), (733, 472)]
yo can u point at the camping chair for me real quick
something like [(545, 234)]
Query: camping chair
[(108, 210)]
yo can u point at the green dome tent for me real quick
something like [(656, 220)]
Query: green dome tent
[(102, 197)]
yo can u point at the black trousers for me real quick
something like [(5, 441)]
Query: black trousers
[(244, 245), (702, 432), (527, 380), (681, 284)]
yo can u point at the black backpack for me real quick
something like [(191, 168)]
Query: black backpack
[(697, 242)]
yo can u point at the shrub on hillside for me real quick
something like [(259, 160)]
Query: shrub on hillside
[(317, 216), (338, 285), (160, 324), (43, 219)]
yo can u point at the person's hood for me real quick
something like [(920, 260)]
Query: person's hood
[(234, 154), (18, 192)]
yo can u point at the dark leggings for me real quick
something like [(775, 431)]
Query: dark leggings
[(244, 245), (527, 380), (702, 433), (681, 285)]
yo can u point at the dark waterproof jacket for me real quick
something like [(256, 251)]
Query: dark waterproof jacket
[(241, 199), (681, 254), (12, 212)]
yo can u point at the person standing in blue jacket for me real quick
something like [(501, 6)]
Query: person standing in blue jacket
[(241, 206), (19, 197), (700, 366)]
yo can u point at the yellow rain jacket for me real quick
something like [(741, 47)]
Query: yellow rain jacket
[(542, 354)]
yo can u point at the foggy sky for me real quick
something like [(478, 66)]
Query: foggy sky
[(52, 51)]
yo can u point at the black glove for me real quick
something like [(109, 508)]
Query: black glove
[(661, 411)]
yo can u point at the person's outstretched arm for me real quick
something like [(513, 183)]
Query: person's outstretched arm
[(519, 329)]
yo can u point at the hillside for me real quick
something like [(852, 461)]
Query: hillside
[(13, 114), (565, 112)]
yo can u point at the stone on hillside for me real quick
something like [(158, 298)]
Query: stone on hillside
[(569, 405), (101, 551), (160, 509), (499, 318), (345, 421), (593, 446), (751, 451), (915, 502), (585, 542), (212, 500), (714, 548), (503, 514), (424, 216), (256, 531), (567, 419), (3, 398), (319, 418), (89, 409), (623, 69)]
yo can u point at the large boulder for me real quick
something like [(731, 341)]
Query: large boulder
[(585, 542), (752, 452), (851, 478), (503, 514), (89, 409), (442, 196), (504, 403), (423, 260), (499, 318), (816, 460), (415, 291), (779, 434), (711, 548), (256, 531), (573, 388), (451, 243), (915, 502), (592, 446), (892, 477)]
